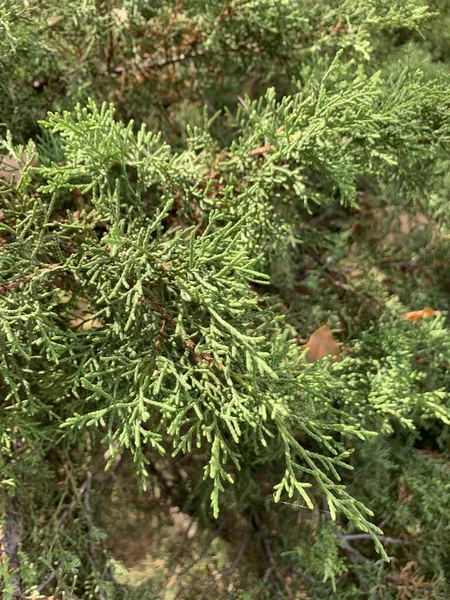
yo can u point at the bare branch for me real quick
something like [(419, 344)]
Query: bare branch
[(10, 544), (383, 538)]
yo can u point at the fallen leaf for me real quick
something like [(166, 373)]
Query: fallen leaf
[(322, 344), (426, 312)]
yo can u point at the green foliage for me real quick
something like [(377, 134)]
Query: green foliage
[(215, 180)]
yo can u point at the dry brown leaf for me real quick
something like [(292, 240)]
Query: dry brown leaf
[(426, 312), (321, 344)]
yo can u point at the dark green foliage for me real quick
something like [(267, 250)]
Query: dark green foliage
[(286, 167)]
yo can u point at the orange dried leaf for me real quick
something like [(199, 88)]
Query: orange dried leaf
[(321, 344), (426, 312)]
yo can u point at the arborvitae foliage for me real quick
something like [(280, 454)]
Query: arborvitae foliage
[(200, 186)]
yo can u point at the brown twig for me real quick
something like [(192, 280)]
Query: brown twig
[(216, 534), (170, 573), (160, 336), (340, 280), (272, 571), (112, 478), (414, 588), (111, 49), (10, 544), (48, 580), (153, 63), (172, 19), (383, 538), (83, 500), (92, 548), (356, 556), (74, 502), (11, 538), (230, 571), (168, 319)]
